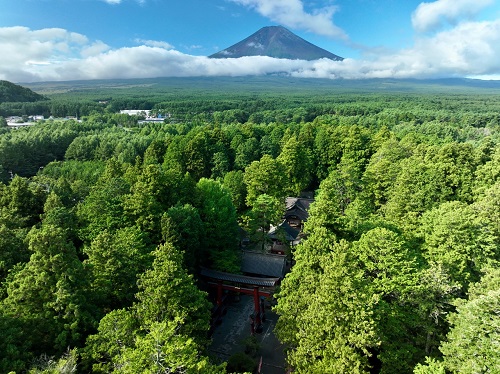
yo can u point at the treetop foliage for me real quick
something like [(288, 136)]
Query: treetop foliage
[(105, 223)]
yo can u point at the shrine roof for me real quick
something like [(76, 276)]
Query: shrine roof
[(291, 233), (296, 206), (263, 264)]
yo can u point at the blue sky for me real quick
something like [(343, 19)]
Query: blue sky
[(95, 39)]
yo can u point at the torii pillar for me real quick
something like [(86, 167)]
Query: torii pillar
[(257, 309), (219, 293)]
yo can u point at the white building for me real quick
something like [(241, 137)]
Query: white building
[(136, 112)]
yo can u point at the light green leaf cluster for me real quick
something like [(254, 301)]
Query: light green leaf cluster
[(473, 343), (332, 329)]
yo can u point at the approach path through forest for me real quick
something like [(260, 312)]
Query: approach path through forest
[(228, 337)]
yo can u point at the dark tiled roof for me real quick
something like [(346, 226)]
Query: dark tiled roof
[(269, 265), (291, 233), (296, 206), (241, 279)]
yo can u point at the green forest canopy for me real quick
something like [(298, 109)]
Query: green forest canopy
[(101, 218)]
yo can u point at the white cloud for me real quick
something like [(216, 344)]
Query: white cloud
[(24, 49), (430, 16), (115, 2), (291, 13), (469, 49), (255, 45), (154, 43), (94, 49), (192, 47)]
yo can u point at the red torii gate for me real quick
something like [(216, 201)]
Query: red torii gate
[(256, 290)]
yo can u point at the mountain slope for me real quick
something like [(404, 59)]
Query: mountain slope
[(277, 42), (10, 92)]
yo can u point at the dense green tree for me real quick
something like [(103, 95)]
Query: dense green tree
[(167, 292), (457, 161), (82, 148), (330, 205), (181, 226), (327, 150), (301, 282), (219, 220), (457, 238), (220, 165), (165, 331), (13, 249), (48, 294), (234, 182), (383, 169), (155, 152), (164, 350), (197, 156), (431, 366), (420, 186), (267, 211), (391, 269), (325, 313), (266, 176), (114, 261), (178, 189), (268, 147), (472, 343), (24, 152), (70, 180), (487, 209), (23, 199), (142, 206), (57, 214), (103, 208), (488, 172), (173, 159), (103, 350), (431, 176), (246, 152), (276, 134), (356, 150), (15, 349), (297, 164)]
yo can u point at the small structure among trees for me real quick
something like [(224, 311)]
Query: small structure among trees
[(289, 231), (297, 211)]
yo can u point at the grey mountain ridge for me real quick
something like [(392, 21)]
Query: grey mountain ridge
[(277, 42)]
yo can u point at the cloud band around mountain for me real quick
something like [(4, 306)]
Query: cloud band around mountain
[(469, 49)]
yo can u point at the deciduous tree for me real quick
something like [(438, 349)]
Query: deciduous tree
[(266, 176)]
